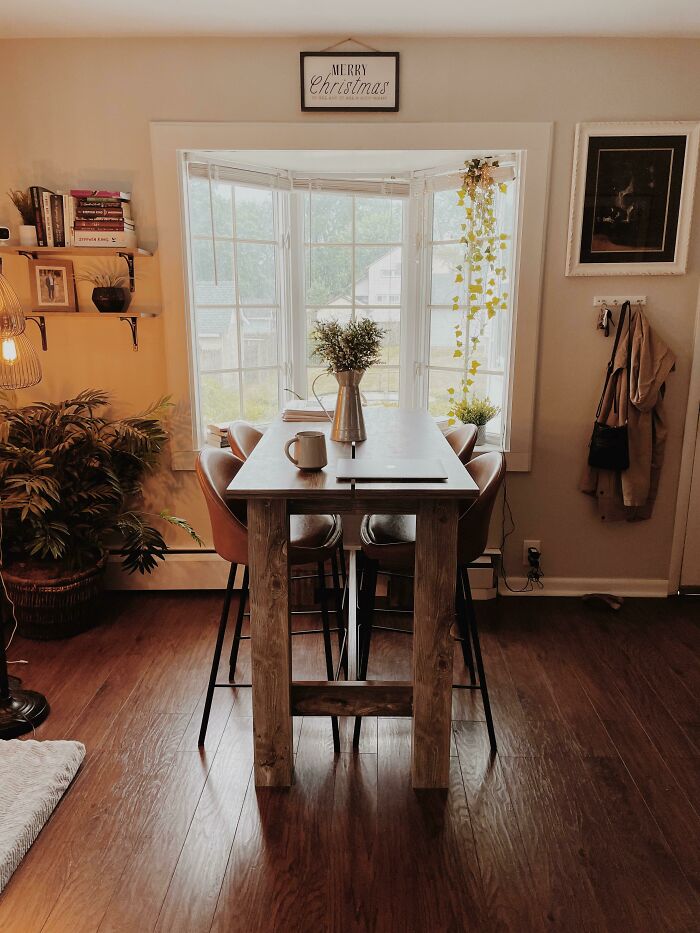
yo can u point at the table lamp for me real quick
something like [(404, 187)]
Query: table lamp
[(20, 710)]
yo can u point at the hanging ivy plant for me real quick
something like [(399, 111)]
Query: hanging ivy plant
[(478, 274)]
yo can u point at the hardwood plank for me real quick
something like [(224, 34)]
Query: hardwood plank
[(194, 888), (551, 808), (270, 641), (277, 877), (435, 575), (352, 698), (504, 868), (433, 832), (139, 893), (653, 881)]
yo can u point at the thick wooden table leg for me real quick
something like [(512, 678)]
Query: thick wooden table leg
[(434, 602), (271, 653)]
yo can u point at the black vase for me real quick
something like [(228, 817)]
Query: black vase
[(110, 300)]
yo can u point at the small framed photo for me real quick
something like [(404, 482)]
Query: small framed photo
[(52, 284), (632, 198)]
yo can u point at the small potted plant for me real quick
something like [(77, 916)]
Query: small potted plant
[(69, 479), (348, 350), (478, 411), (109, 294), (22, 200)]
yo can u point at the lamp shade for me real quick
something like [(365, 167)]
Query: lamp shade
[(12, 320), (19, 364)]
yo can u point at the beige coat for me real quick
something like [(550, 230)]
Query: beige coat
[(630, 495)]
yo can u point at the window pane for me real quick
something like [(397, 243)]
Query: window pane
[(261, 395), (199, 208), (378, 275), (259, 336), (219, 397), (328, 218), (391, 341), (378, 220), (442, 336), (257, 274), (207, 292), (444, 270), (447, 216), (329, 275), (380, 386), (254, 214), (217, 339), (222, 200)]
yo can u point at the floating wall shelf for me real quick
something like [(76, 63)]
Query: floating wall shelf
[(33, 252), (131, 319)]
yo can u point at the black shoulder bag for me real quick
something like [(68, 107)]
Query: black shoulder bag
[(609, 447)]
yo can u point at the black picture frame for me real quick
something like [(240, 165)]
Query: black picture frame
[(307, 108), (632, 199)]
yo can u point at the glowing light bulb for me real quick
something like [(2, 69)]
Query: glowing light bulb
[(9, 350)]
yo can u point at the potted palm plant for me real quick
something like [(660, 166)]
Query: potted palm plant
[(477, 411), (69, 479)]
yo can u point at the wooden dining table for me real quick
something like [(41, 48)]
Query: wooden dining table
[(275, 489)]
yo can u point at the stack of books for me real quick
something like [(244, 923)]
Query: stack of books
[(306, 411), (217, 434), (85, 217), (102, 218)]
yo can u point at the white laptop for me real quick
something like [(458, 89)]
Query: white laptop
[(395, 471)]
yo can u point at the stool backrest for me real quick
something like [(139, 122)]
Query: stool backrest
[(462, 440), (243, 438), (215, 469), (488, 472)]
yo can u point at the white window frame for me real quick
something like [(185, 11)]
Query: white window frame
[(171, 140)]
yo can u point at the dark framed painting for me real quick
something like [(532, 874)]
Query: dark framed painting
[(632, 198), (343, 82)]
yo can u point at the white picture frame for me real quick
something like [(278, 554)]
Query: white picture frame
[(592, 252)]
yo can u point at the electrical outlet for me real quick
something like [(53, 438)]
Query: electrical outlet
[(529, 544)]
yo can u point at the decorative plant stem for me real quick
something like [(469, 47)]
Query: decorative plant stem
[(481, 268)]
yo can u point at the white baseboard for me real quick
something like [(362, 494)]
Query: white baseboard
[(579, 586), (207, 571)]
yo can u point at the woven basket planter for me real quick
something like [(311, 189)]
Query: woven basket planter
[(51, 606)]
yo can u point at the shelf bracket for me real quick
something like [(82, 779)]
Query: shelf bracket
[(133, 323), (129, 257), (28, 254), (40, 322)]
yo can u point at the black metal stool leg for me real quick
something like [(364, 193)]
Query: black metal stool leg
[(330, 674), (463, 626), (471, 616), (217, 654), (340, 617), (367, 597), (236, 643)]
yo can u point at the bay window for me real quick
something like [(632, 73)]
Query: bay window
[(271, 251)]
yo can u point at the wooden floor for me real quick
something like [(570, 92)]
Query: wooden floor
[(587, 821)]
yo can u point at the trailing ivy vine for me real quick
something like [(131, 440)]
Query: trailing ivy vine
[(481, 268)]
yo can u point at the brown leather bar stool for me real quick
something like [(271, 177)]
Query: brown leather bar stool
[(462, 440), (388, 543), (313, 538), (243, 438)]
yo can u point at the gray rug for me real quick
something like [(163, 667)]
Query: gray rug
[(33, 778)]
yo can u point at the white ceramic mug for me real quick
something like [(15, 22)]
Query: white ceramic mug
[(310, 450)]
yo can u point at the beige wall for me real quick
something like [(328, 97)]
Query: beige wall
[(79, 112)]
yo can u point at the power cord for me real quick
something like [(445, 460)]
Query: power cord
[(535, 572)]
